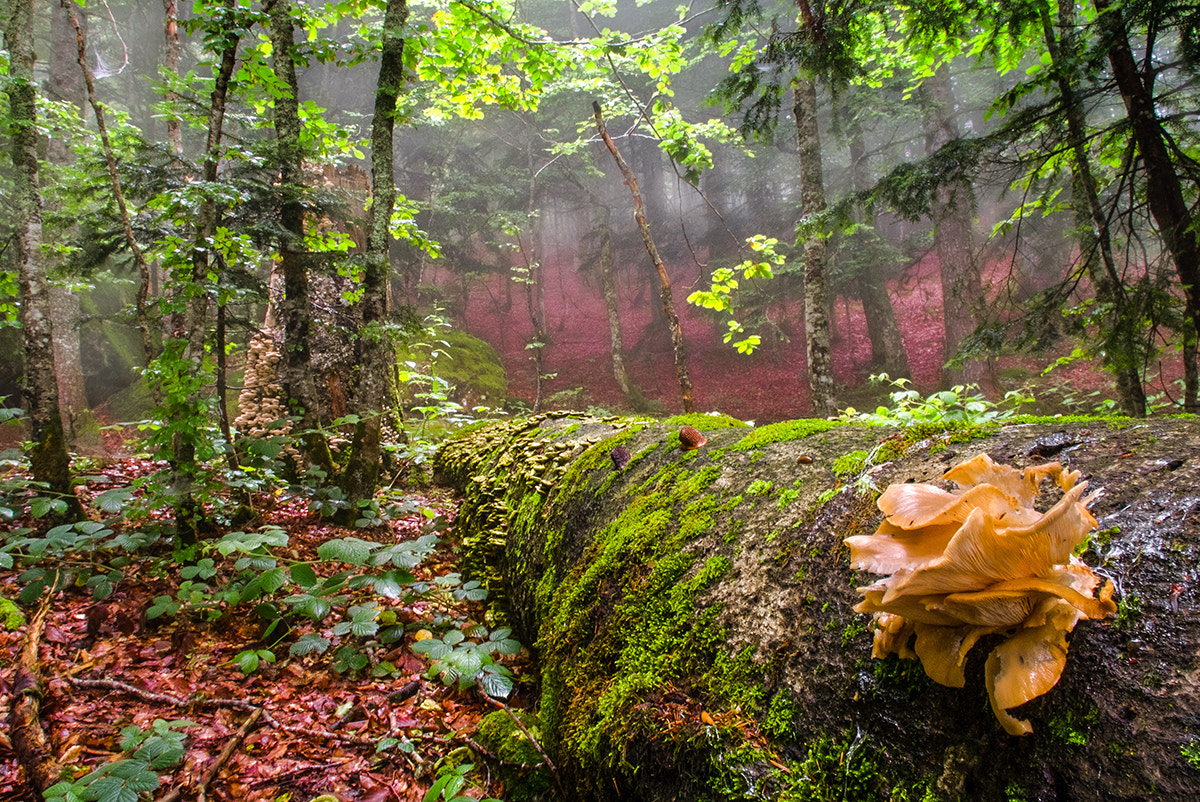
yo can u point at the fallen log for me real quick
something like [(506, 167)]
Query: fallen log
[(693, 610), (29, 740)]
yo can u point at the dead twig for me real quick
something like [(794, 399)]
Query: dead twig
[(236, 704)]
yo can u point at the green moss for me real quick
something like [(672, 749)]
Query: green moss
[(844, 769), (732, 503), (500, 734), (639, 568), (1129, 607), (1191, 753), (921, 791), (468, 363), (780, 721), (853, 630), (787, 496), (851, 463), (1071, 728), (892, 673), (783, 432), (759, 487), (705, 423), (1114, 421)]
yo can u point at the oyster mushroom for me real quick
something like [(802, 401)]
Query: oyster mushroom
[(977, 561)]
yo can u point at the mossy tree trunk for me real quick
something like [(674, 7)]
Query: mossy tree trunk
[(376, 389), (48, 456), (296, 314), (818, 338), (693, 611)]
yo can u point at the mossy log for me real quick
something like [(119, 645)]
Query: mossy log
[(692, 611)]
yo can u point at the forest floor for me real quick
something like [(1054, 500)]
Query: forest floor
[(105, 667)]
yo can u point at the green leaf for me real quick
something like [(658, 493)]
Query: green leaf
[(303, 575), (348, 550), (247, 661), (306, 644)]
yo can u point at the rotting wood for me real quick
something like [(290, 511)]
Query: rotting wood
[(29, 740)]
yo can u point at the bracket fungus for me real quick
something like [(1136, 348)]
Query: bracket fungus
[(978, 561)]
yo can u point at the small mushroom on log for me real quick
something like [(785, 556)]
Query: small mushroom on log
[(690, 438)]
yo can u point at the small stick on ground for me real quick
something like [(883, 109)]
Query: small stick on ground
[(221, 760)]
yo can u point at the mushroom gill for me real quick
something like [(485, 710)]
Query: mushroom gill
[(982, 560)]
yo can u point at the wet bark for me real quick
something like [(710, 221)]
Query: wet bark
[(48, 456), (29, 740), (817, 335), (376, 390), (953, 211), (664, 279), (1164, 190), (1095, 238)]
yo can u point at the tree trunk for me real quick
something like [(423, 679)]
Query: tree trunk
[(376, 391), (79, 424), (296, 313), (48, 456), (1164, 190), (664, 280), (696, 633), (817, 335), (171, 53), (887, 347), (608, 285), (189, 515), (1125, 356), (958, 261)]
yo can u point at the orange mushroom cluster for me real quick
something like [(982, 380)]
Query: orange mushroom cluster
[(977, 561)]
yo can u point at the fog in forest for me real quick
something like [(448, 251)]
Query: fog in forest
[(958, 246)]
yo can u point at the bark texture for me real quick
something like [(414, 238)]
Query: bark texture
[(693, 614), (296, 313), (1164, 190), (1095, 238)]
